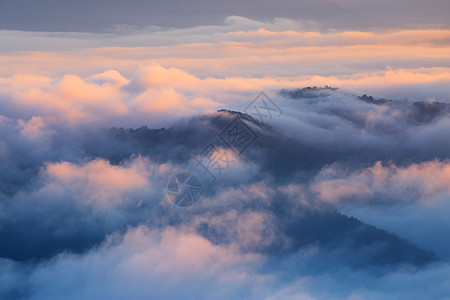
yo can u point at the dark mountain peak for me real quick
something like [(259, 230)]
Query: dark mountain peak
[(426, 112), (243, 116), (370, 99), (307, 92)]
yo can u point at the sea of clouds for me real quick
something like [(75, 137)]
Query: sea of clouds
[(341, 196)]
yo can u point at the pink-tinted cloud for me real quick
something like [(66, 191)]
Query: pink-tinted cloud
[(98, 181), (157, 94), (424, 182)]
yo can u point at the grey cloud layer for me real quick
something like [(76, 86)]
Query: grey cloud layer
[(98, 16)]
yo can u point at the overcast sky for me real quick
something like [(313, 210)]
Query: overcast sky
[(104, 15)]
